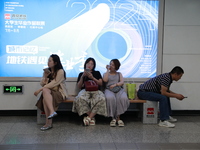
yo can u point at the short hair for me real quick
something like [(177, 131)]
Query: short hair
[(116, 63), (90, 59), (178, 70)]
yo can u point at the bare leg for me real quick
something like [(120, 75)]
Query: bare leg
[(49, 122), (91, 115), (88, 113), (120, 122), (118, 118), (88, 119), (48, 100), (47, 113)]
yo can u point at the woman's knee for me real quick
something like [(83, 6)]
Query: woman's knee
[(46, 91), (110, 98), (123, 98)]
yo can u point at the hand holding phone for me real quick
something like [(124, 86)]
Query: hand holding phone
[(46, 70), (108, 67), (87, 70)]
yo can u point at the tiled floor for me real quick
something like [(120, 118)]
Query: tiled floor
[(22, 133)]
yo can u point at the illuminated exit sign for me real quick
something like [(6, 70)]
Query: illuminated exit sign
[(12, 89)]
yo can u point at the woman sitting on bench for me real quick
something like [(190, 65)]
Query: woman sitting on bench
[(116, 97), (53, 90), (89, 102)]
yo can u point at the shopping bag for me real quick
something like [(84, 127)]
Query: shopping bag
[(131, 90), (91, 85)]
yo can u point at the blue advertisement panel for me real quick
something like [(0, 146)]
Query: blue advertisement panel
[(32, 30)]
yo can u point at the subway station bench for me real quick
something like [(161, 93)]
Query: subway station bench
[(149, 110)]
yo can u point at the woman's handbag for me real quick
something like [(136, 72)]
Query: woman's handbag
[(116, 89), (90, 85)]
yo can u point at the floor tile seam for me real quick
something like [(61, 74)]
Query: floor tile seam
[(6, 134), (160, 145), (11, 128), (197, 123), (1, 142), (100, 146), (115, 147), (139, 144), (87, 143), (136, 146), (112, 139), (111, 135)]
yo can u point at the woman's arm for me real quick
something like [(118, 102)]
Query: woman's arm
[(38, 91), (55, 82), (105, 76), (98, 81), (121, 80), (43, 82), (120, 83), (81, 80), (97, 77), (44, 79), (90, 76)]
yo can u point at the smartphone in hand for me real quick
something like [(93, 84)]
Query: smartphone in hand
[(108, 67), (88, 70), (46, 70)]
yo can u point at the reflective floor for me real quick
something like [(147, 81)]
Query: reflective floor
[(68, 133)]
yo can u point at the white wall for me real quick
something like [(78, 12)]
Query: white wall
[(27, 100), (181, 47)]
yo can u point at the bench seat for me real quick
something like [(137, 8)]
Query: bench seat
[(149, 110), (72, 97)]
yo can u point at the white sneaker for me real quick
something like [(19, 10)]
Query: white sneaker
[(171, 119), (166, 124)]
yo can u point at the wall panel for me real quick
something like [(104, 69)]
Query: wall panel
[(181, 40), (182, 12)]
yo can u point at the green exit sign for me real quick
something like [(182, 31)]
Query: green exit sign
[(12, 89)]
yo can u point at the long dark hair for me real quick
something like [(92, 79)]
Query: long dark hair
[(90, 59), (58, 65)]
